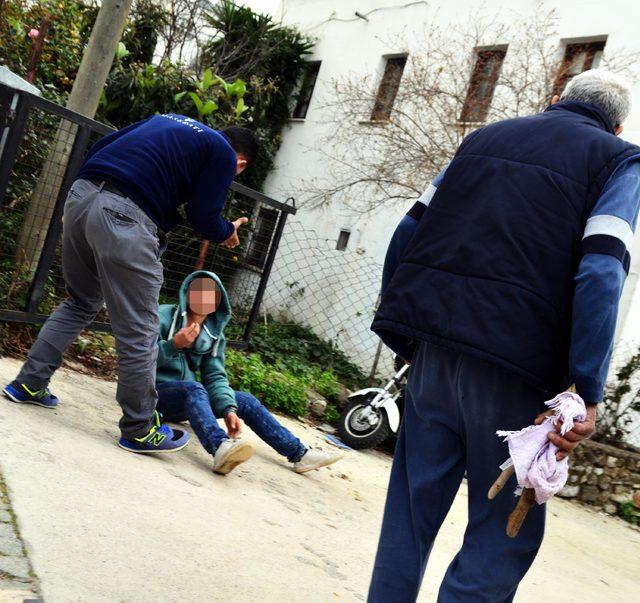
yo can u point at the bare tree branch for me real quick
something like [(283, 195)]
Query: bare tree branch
[(374, 164)]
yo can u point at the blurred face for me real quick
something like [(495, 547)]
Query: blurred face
[(203, 296)]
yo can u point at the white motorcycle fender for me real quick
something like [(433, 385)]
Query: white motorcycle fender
[(364, 392), (393, 414), (390, 407)]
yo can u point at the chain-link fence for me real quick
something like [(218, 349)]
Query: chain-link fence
[(334, 292)]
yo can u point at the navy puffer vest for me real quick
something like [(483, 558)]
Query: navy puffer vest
[(490, 268)]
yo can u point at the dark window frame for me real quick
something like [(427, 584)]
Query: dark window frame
[(482, 83), (388, 88), (572, 50), (308, 85), (343, 239)]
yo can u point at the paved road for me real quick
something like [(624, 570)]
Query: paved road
[(103, 525)]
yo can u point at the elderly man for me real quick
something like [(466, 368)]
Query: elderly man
[(506, 294)]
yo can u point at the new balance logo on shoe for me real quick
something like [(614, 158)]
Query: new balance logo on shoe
[(156, 439)]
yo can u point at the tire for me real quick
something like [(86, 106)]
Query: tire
[(358, 440)]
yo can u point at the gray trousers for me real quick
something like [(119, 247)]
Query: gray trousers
[(110, 254)]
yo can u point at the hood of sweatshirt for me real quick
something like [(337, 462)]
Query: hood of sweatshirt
[(213, 326)]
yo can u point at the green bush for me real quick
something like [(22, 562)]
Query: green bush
[(251, 46), (325, 383), (298, 349), (279, 388), (627, 511), (267, 57), (297, 353), (70, 24)]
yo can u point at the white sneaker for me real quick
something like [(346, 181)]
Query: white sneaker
[(314, 458), (230, 454)]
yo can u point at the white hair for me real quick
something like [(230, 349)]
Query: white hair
[(605, 90)]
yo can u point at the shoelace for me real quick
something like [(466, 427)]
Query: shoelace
[(160, 426), (157, 427)]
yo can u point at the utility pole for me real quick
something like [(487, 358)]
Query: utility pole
[(84, 98), (98, 57)]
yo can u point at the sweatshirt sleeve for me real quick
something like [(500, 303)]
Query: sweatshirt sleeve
[(209, 196), (600, 278), (215, 380), (405, 230)]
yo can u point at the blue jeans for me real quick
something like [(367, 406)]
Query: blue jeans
[(189, 401), (454, 405)]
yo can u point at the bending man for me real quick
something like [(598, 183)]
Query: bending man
[(122, 203)]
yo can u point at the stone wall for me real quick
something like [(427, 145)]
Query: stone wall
[(603, 476)]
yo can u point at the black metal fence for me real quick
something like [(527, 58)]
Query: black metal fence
[(42, 146)]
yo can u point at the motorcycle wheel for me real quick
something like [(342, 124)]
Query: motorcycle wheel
[(358, 433)]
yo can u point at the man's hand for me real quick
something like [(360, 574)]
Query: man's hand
[(185, 337), (234, 424), (581, 430), (233, 240)]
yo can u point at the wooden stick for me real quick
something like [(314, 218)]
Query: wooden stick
[(525, 502), (204, 248), (503, 478)]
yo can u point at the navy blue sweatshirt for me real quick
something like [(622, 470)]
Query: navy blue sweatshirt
[(163, 162)]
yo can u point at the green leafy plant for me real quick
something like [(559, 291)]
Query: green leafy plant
[(271, 59), (332, 414), (204, 107), (627, 511), (278, 390), (121, 51), (281, 387), (147, 18), (324, 382), (296, 348), (70, 23)]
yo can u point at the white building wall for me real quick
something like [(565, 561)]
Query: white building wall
[(348, 45)]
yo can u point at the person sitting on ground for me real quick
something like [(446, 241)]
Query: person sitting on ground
[(192, 341)]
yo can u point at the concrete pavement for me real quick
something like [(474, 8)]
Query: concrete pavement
[(17, 580), (101, 525)]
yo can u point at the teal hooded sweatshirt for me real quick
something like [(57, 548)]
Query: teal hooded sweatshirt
[(206, 356)]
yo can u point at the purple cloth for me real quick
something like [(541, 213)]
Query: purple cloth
[(534, 456)]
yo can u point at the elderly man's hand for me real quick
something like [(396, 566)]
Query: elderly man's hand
[(234, 424), (581, 430)]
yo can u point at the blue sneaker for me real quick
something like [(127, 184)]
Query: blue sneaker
[(161, 438), (19, 392)]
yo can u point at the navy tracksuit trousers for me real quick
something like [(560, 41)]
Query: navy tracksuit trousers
[(454, 405)]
